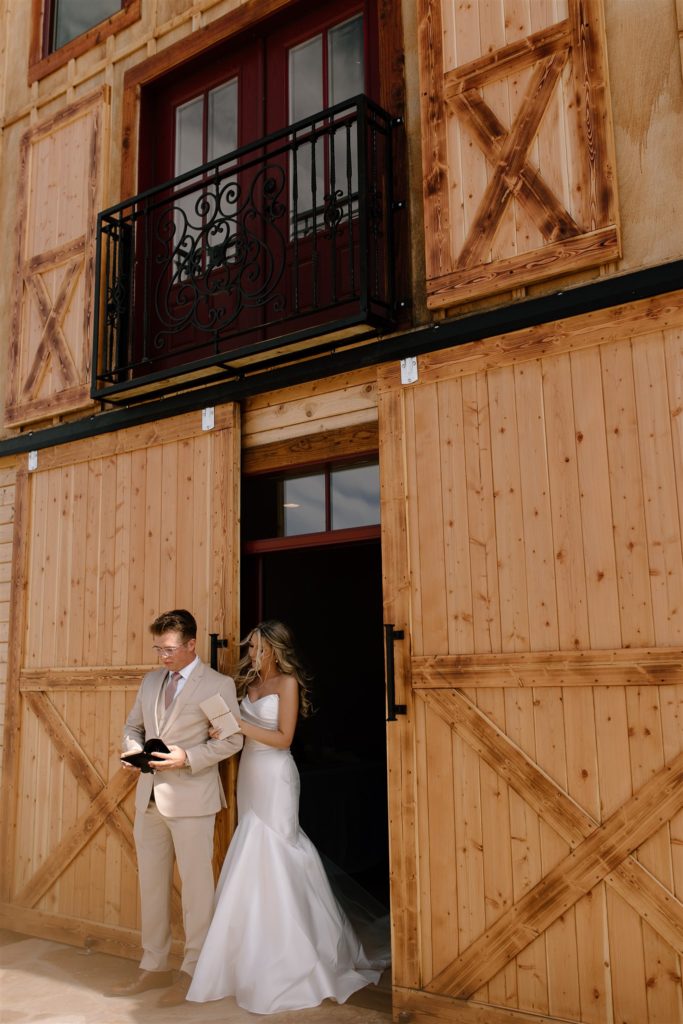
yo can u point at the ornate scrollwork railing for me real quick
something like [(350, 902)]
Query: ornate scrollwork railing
[(284, 240)]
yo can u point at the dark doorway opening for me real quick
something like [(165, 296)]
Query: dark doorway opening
[(331, 596)]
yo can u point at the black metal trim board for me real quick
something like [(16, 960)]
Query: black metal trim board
[(614, 291)]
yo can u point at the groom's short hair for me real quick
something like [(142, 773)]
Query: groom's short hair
[(178, 621)]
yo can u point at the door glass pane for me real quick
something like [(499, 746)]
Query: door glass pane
[(222, 139), (72, 17), (306, 79), (307, 161), (303, 504), (188, 135), (222, 120), (347, 79), (354, 495), (345, 55), (189, 130)]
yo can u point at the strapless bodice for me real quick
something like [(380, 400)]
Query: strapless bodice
[(263, 712)]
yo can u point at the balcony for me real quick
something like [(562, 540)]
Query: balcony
[(279, 250)]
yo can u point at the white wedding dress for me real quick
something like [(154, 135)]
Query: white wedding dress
[(278, 939)]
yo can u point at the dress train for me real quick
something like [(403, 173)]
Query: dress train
[(278, 939)]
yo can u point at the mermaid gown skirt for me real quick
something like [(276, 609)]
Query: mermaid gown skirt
[(278, 939)]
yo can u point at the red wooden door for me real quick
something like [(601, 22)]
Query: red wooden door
[(195, 261), (314, 64), (218, 265)]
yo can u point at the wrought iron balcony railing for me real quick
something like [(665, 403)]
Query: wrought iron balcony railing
[(282, 246)]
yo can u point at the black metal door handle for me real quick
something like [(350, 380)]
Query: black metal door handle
[(391, 634), (216, 642)]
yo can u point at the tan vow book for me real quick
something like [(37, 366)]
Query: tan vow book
[(220, 715)]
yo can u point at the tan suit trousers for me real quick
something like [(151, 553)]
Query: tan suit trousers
[(157, 838)]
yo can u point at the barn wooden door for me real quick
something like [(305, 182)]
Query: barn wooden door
[(532, 550), (110, 532)]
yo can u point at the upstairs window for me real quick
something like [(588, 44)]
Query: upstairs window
[(62, 30), (70, 18)]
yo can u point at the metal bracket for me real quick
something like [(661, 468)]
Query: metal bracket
[(409, 373), (393, 709), (216, 642)]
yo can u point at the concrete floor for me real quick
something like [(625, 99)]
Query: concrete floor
[(47, 982)]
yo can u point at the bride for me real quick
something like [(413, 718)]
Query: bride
[(278, 939)]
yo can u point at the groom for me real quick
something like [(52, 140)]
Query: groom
[(176, 805)]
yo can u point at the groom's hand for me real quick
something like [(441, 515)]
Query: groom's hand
[(174, 759)]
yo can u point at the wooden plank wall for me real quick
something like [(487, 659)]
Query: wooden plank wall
[(555, 500), (60, 191), (517, 154), (122, 527), (543, 535), (332, 404), (7, 486)]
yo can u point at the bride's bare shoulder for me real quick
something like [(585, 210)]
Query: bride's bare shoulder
[(287, 687)]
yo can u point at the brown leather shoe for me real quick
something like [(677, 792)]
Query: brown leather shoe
[(144, 981), (177, 992)]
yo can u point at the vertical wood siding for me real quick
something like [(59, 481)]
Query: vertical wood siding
[(118, 530), (544, 608), (552, 485), (7, 486)]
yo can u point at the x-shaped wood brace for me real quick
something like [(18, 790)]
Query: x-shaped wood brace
[(600, 852), (53, 343), (507, 151), (104, 808)]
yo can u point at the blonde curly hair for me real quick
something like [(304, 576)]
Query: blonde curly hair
[(281, 639)]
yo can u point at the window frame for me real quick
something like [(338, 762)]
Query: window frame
[(328, 536), (42, 62)]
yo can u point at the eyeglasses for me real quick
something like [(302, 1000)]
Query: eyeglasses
[(167, 652)]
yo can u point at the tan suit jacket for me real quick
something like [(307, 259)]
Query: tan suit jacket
[(183, 792)]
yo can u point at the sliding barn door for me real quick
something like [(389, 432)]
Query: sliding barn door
[(110, 532), (531, 518)]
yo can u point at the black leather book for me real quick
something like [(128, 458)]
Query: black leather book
[(141, 758)]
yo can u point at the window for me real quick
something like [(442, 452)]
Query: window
[(64, 29), (71, 18), (331, 499), (354, 496)]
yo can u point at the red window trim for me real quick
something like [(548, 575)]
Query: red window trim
[(41, 63)]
